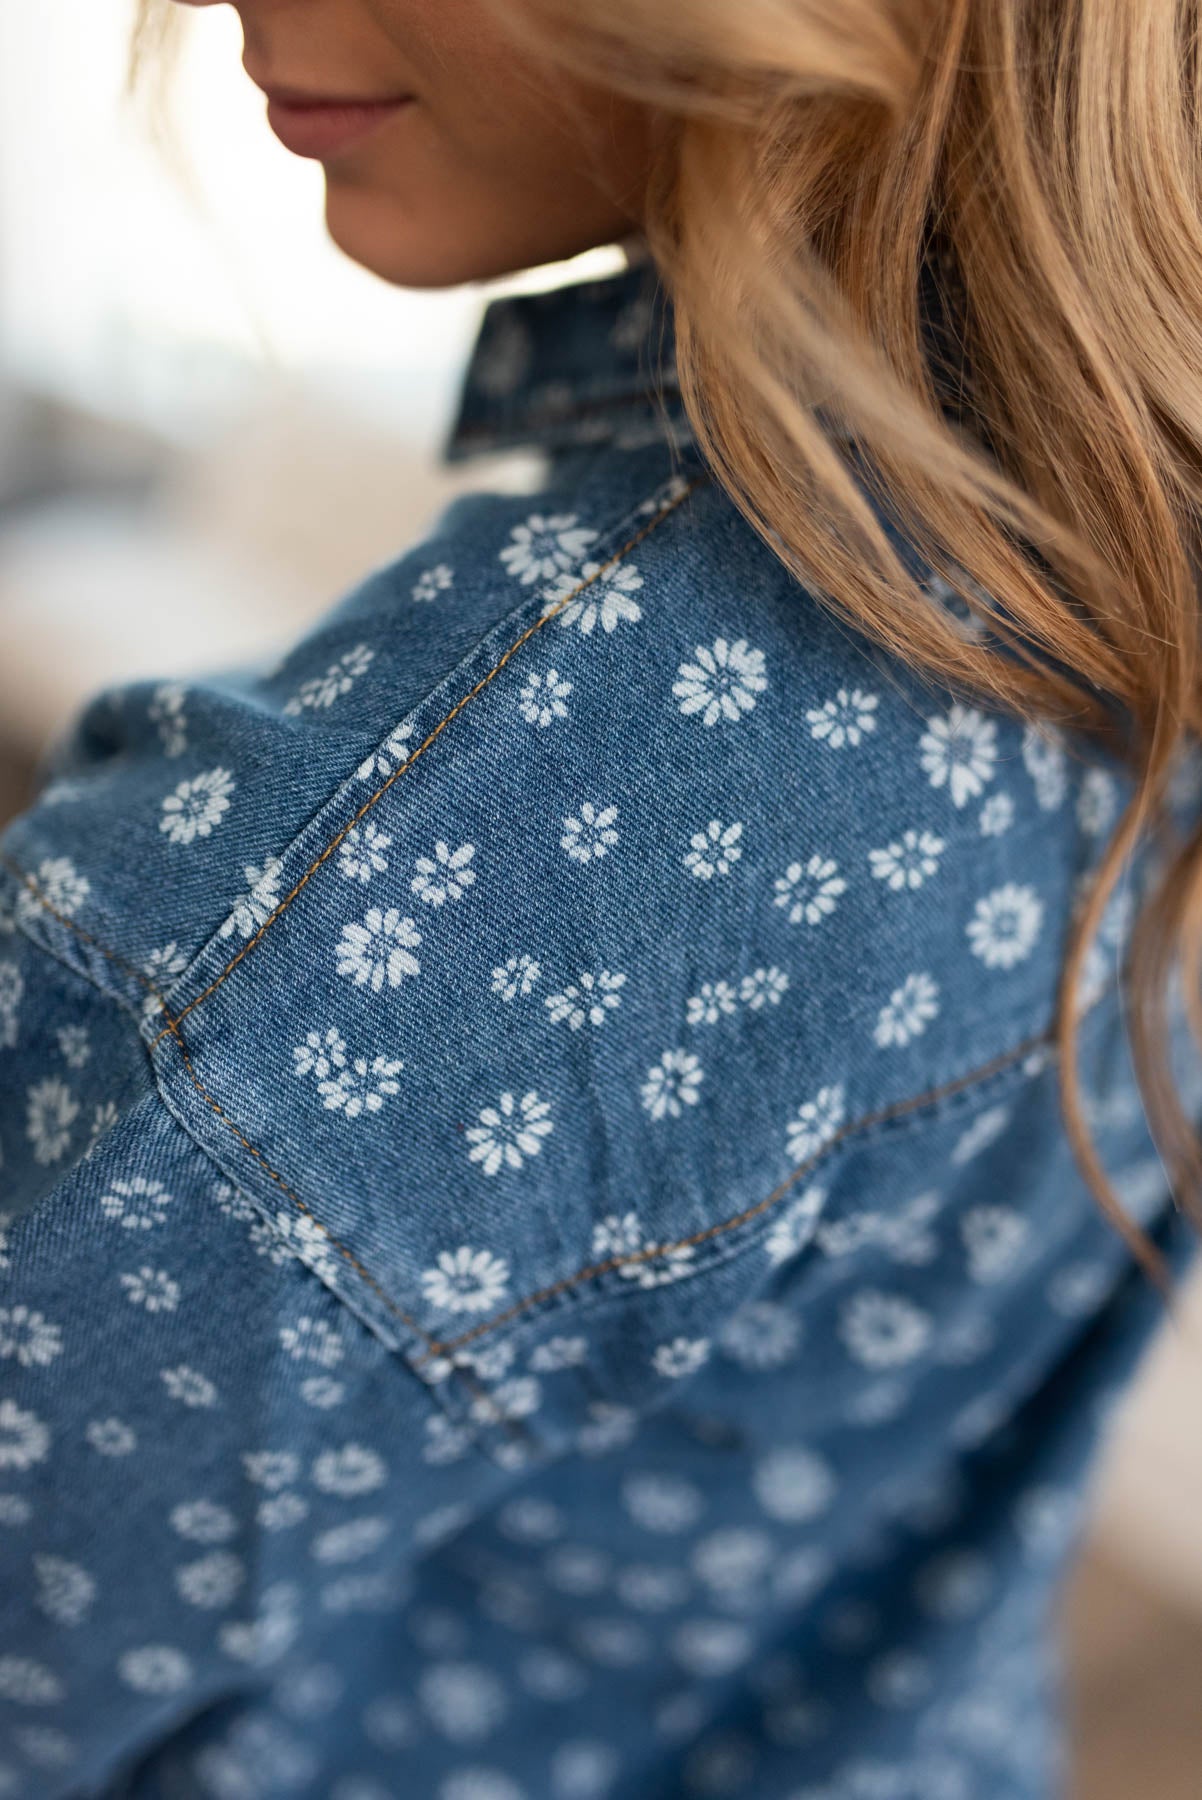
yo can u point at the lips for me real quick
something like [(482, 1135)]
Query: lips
[(327, 127)]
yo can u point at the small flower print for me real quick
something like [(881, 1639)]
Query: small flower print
[(907, 1012), (618, 1238), (361, 1086), (586, 1000), (61, 886), (362, 853), (346, 1543), (516, 976), (51, 1111), (162, 966), (211, 1581), (763, 987), (722, 683), (710, 1002), (279, 1511), (137, 1204), (348, 1472), (261, 899), (545, 547), (1005, 925), (28, 1683), (714, 851), (188, 1387), (338, 679), (29, 1337), (960, 615), (305, 1239), (270, 1469), (166, 712), (65, 1590), (379, 950), (1097, 802), (509, 1131), (997, 814), (197, 806), (809, 890), (846, 719), (761, 1335), (322, 1391), (1044, 755), (24, 1440), (680, 1358), (515, 1399), (559, 1353), (432, 582), (466, 1280), (446, 875), (672, 1084), (913, 859), (815, 1124), (794, 1484), (994, 1238), (543, 698), (882, 1330), (392, 754), (74, 1044), (588, 838), (104, 1119), (204, 1522), (793, 1229), (152, 1288), (662, 1503), (155, 1669), (902, 1230), (111, 1437), (959, 752), (607, 599), (314, 1341), (320, 1055)]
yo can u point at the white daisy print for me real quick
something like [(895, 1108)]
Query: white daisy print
[(619, 1236), (714, 851), (155, 1669), (794, 1484), (680, 1358), (152, 1288), (29, 1337), (447, 875), (1005, 925), (672, 1084), (137, 1203), (304, 1238), (61, 885), (270, 1469), (28, 1683), (361, 1086), (710, 1002), (111, 1437), (203, 1522), (1047, 764), (545, 547), (211, 1581), (50, 1112), (883, 1330), (379, 950), (392, 754), (763, 987), (607, 600), (994, 1239), (907, 1012), (320, 1055), (197, 806), (723, 681), (847, 719), (466, 1280), (515, 976), (815, 1123), (162, 966), (997, 814), (559, 1353), (1097, 802), (65, 1589), (964, 621), (24, 1439), (166, 712), (362, 853), (908, 862), (509, 1132), (588, 838), (338, 679), (793, 1228), (544, 698), (959, 752), (188, 1387), (74, 1044), (809, 890), (432, 582), (261, 899), (586, 1000), (350, 1471), (761, 1335)]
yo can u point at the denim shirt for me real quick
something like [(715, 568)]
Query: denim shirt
[(541, 1261)]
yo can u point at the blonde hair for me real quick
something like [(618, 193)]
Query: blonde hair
[(809, 154)]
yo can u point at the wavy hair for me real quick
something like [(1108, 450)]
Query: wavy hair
[(811, 156)]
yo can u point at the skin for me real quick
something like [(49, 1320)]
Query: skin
[(501, 164)]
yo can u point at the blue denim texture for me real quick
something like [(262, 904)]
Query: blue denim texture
[(540, 1257)]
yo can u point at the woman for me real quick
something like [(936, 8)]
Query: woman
[(552, 1142)]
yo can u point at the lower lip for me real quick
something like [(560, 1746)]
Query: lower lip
[(322, 131)]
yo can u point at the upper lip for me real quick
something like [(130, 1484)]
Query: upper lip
[(285, 96)]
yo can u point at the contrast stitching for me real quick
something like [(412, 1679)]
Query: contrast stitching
[(119, 962), (854, 1127), (477, 688)]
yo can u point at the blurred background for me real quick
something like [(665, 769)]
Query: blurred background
[(212, 424)]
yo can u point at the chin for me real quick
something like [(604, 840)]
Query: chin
[(381, 235)]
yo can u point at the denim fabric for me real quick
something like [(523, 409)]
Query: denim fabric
[(540, 1255)]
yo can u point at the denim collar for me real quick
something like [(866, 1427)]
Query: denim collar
[(588, 363)]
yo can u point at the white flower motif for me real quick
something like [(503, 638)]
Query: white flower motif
[(1097, 802), (346, 1543), (162, 966), (606, 599), (320, 1056), (51, 1111), (444, 876), (967, 623), (559, 1353), (189, 1387), (338, 679), (908, 862), (907, 1012), (361, 853), (466, 1280), (722, 683), (959, 752), (618, 1238), (137, 1203), (24, 1439), (353, 1470), (29, 1337), (322, 1391), (681, 1357), (543, 698), (515, 976), (545, 547), (152, 1288), (104, 1120), (809, 890), (204, 1522), (662, 1503), (882, 1330), (1043, 753), (1005, 925), (155, 1669), (211, 1581), (61, 886), (761, 1335), (271, 1469), (997, 814), (509, 1131), (279, 1511), (763, 987), (672, 1083), (432, 582), (197, 806), (587, 999), (306, 1239), (261, 899), (166, 711), (515, 1399), (65, 1589), (28, 1683), (792, 1229), (794, 1484), (392, 754), (994, 1239), (465, 1701), (111, 1437), (815, 1124), (710, 1002), (361, 1086), (844, 720), (903, 1230), (589, 837), (714, 851), (74, 1044), (379, 950), (314, 1341)]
